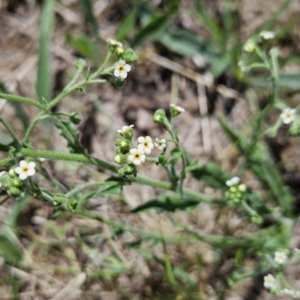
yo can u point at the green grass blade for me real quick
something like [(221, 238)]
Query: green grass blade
[(44, 82), (89, 15)]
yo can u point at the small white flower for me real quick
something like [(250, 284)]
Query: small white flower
[(161, 144), (269, 281), (145, 144), (233, 181), (125, 129), (121, 69), (288, 115), (249, 46), (280, 257), (136, 156), (267, 35), (178, 108), (290, 292), (25, 169), (113, 42)]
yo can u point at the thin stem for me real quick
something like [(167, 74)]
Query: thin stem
[(15, 98), (87, 186), (76, 76), (69, 157), (99, 71), (10, 130), (32, 126)]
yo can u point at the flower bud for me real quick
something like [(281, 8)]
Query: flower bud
[(80, 63), (14, 191), (12, 173), (75, 118), (17, 182), (130, 56), (162, 160), (160, 118), (256, 219), (120, 159)]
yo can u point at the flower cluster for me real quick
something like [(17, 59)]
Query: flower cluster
[(126, 57), (135, 155), (236, 190)]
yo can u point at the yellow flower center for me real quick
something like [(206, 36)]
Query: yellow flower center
[(137, 155), (25, 169), (121, 68)]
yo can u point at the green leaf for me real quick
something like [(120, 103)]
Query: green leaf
[(155, 27), (10, 252), (188, 44), (112, 188), (127, 25), (70, 133), (211, 173), (90, 17), (168, 203), (44, 82), (83, 44)]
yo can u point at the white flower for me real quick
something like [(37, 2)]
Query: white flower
[(290, 292), (145, 144), (136, 156), (121, 69), (113, 42), (178, 108), (267, 35), (161, 144), (249, 46), (269, 281), (288, 115), (233, 181), (1, 174), (280, 257), (125, 129), (25, 169)]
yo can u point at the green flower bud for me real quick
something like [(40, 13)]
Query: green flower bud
[(256, 219), (125, 146), (80, 63), (128, 172), (242, 187), (72, 205), (119, 52), (12, 173), (130, 56), (75, 118), (162, 160), (14, 191), (119, 83), (120, 159), (160, 118), (113, 45), (17, 182)]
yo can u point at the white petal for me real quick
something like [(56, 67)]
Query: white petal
[(31, 172), (117, 73), (133, 151), (143, 158), (18, 170), (127, 68), (147, 150), (137, 162), (141, 146), (130, 158), (31, 165), (23, 163), (123, 74), (23, 176)]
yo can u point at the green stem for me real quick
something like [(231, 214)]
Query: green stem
[(99, 71), (32, 126), (86, 186), (15, 98), (94, 161), (69, 157), (74, 79), (11, 131)]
